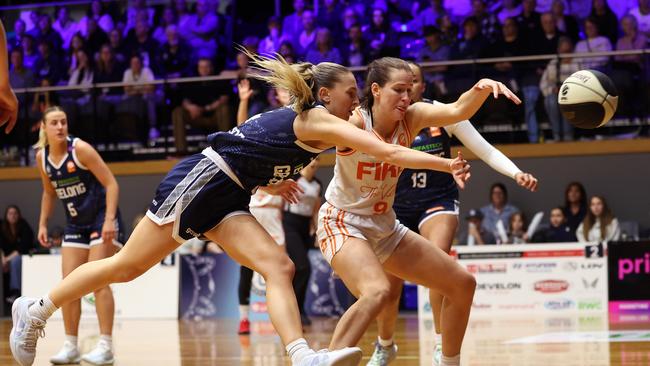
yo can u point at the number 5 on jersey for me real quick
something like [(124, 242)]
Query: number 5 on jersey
[(71, 209)]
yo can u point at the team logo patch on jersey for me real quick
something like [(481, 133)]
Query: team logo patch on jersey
[(434, 131), (71, 167)]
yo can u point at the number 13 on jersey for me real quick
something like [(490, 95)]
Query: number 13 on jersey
[(419, 179)]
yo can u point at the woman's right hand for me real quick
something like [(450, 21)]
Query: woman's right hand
[(244, 89), (42, 237), (459, 169)]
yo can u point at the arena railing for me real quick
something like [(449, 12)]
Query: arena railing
[(22, 143)]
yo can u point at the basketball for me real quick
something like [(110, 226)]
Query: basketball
[(588, 99)]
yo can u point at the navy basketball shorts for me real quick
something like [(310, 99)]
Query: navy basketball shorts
[(86, 236), (197, 195), (413, 217)]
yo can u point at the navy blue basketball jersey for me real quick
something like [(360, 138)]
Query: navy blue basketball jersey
[(82, 195), (264, 150), (418, 188)]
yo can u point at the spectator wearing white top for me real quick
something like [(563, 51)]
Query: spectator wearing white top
[(98, 12), (642, 15), (65, 26), (593, 43), (143, 93), (549, 85), (599, 224)]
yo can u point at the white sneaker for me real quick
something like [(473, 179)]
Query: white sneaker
[(437, 355), (67, 355), (102, 354), (349, 356), (25, 332), (383, 355)]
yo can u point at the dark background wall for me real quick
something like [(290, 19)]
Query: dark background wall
[(623, 179)]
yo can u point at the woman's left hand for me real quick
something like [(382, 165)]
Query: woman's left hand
[(108, 231), (460, 170), (497, 88), (288, 189), (527, 181)]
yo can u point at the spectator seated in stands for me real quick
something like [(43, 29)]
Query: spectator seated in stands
[(206, 105), (593, 43), (95, 39), (139, 41), (117, 46), (48, 65), (472, 45), (16, 239), (271, 43), (175, 55), (329, 17), (518, 227), (381, 38), (427, 17), (558, 231), (65, 26), (46, 33), (434, 50), (599, 223), (306, 39), (488, 21), (76, 44), (20, 76), (355, 51), (510, 9), (575, 205), (168, 18), (323, 51), (140, 99), (292, 23), (77, 103), (642, 15), (30, 55), (565, 23), (476, 233), (498, 210), (549, 85), (15, 40), (605, 19), (97, 11), (627, 73), (201, 31)]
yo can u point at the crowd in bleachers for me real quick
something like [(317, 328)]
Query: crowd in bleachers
[(134, 41)]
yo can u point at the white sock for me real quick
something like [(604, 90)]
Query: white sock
[(107, 339), (385, 342), (72, 340), (437, 339), (43, 308), (243, 312), (450, 361), (298, 350)]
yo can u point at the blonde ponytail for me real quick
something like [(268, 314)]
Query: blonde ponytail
[(42, 136), (301, 80)]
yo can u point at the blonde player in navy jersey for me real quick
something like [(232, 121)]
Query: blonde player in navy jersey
[(75, 173), (427, 203), (358, 231), (207, 196)]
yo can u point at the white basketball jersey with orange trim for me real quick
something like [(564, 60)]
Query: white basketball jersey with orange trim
[(363, 184)]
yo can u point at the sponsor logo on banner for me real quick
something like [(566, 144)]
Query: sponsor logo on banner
[(481, 306), (592, 265), (634, 266), (487, 268), (498, 286), (551, 286), (594, 304), (517, 306), (535, 267), (570, 266), (559, 304), (590, 283)]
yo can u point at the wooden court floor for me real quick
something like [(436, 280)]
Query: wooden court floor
[(535, 340)]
